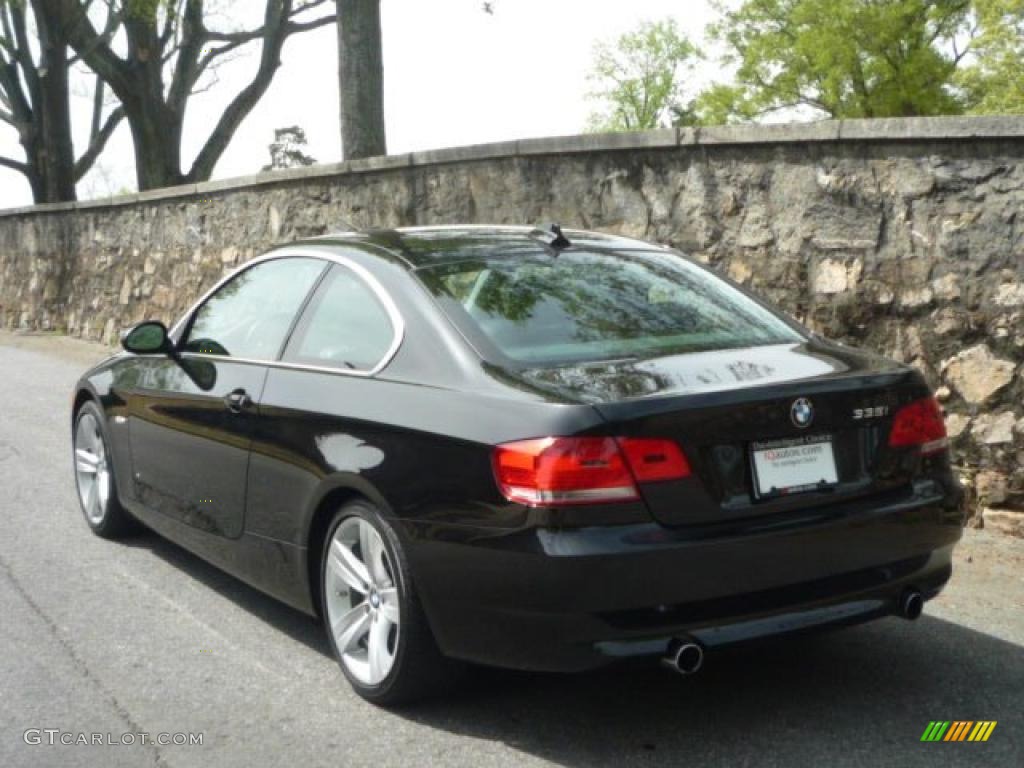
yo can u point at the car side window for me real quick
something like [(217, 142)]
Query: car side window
[(344, 326), (249, 316)]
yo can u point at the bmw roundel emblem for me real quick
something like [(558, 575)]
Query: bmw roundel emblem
[(801, 412)]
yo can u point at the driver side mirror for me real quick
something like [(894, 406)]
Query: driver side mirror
[(147, 338)]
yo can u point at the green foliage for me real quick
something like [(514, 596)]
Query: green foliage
[(720, 104), (147, 10), (994, 81), (841, 58), (638, 79)]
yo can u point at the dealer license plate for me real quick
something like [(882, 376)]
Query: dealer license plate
[(794, 465)]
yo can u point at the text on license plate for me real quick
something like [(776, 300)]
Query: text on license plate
[(790, 466)]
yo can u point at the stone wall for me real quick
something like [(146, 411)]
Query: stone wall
[(904, 236)]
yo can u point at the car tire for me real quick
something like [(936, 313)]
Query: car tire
[(380, 636), (94, 476)]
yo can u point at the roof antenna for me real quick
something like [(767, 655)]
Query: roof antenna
[(552, 235)]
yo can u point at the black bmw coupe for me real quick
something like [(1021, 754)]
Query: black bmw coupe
[(521, 447)]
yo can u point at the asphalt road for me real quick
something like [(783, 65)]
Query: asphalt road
[(143, 637)]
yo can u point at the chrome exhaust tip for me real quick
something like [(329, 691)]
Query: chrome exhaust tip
[(911, 604), (684, 656)]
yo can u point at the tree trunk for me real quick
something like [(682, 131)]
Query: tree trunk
[(361, 79), (157, 141), (57, 161), (38, 187), (45, 112), (156, 129)]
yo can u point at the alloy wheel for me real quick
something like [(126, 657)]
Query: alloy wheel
[(92, 470), (362, 601)]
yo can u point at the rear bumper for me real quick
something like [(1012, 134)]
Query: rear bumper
[(566, 600)]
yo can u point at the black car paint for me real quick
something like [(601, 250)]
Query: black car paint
[(556, 588)]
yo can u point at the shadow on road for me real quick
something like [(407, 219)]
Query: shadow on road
[(860, 696), (291, 622)]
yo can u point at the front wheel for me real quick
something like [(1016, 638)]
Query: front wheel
[(374, 620), (94, 477)]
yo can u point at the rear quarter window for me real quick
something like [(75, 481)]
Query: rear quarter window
[(345, 326)]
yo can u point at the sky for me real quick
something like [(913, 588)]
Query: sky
[(453, 75)]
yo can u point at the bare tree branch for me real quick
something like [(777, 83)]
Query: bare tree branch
[(193, 38), (97, 109), (15, 97), (211, 66), (110, 27), (23, 54), (14, 165), (270, 59), (98, 143), (303, 7), (305, 26), (213, 53), (291, 27), (170, 24), (94, 49), (5, 23)]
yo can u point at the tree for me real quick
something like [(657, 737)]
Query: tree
[(361, 79), (840, 58), (35, 101), (639, 78), (994, 81), (288, 149), (169, 49)]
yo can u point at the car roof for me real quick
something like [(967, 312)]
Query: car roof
[(431, 246)]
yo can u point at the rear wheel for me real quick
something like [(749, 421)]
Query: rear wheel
[(374, 620), (94, 477)]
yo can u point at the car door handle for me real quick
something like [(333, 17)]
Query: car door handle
[(237, 400)]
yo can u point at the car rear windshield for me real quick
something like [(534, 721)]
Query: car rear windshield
[(581, 306)]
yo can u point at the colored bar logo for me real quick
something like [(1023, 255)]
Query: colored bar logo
[(958, 730)]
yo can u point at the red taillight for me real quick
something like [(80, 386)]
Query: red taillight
[(583, 470), (920, 424)]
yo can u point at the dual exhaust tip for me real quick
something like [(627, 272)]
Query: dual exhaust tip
[(686, 656)]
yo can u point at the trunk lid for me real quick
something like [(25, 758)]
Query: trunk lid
[(721, 406)]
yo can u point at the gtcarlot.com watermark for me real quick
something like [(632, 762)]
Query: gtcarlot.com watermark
[(55, 736)]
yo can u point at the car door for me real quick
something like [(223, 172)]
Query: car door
[(193, 415)]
